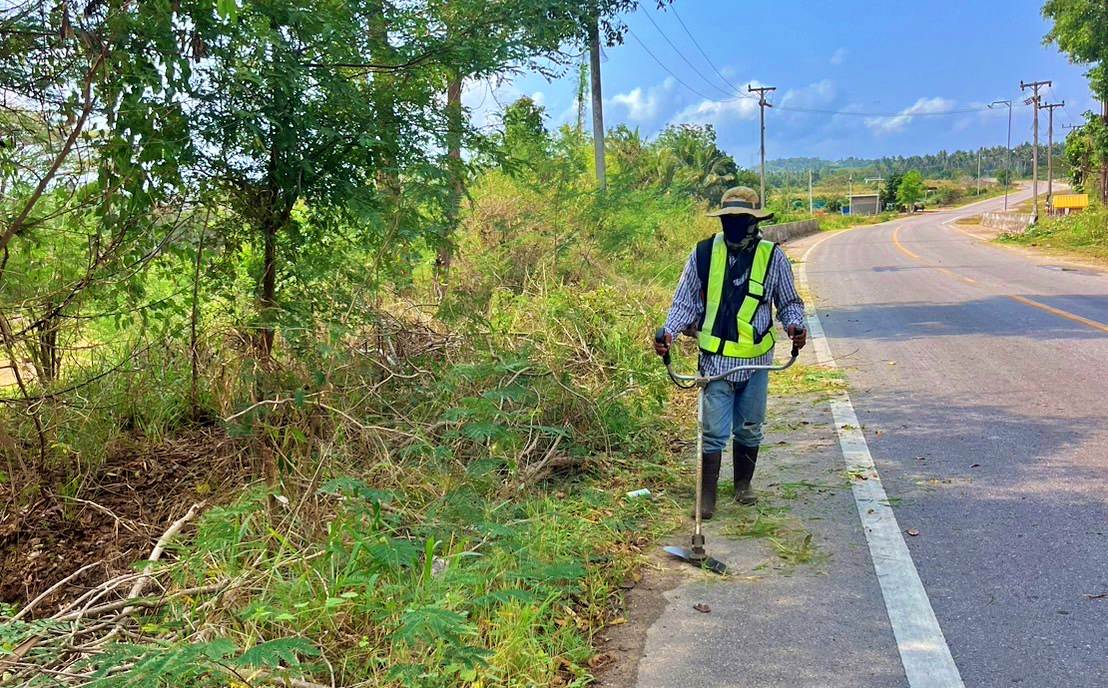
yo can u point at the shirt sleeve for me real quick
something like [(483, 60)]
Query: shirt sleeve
[(686, 308), (790, 307)]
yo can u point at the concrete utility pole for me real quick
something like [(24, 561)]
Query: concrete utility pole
[(1008, 153), (811, 209), (762, 105), (979, 171), (597, 103), (1034, 101), (1049, 107)]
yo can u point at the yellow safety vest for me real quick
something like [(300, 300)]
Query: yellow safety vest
[(748, 346)]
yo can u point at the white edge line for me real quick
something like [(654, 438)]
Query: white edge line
[(919, 639)]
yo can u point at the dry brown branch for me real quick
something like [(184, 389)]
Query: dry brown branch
[(130, 604), (31, 605), (156, 553)]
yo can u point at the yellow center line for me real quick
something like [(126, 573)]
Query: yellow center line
[(1060, 313), (1072, 317), (900, 246)]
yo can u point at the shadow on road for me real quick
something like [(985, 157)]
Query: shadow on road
[(994, 316)]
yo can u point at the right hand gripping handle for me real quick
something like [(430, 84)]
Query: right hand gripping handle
[(660, 338)]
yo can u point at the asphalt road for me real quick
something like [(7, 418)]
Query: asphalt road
[(980, 375)]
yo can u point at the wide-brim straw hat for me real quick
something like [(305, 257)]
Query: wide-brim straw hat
[(741, 200)]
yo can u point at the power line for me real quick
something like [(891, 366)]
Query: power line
[(786, 108), (704, 54), (670, 72), (682, 56)]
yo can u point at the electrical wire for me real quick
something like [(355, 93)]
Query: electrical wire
[(786, 108), (675, 77), (738, 89), (685, 59)]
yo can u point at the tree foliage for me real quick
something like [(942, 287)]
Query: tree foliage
[(910, 189), (1080, 30), (685, 158)]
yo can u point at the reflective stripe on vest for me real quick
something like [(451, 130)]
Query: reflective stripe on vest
[(746, 347)]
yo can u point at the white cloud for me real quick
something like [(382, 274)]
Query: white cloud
[(643, 106), (718, 112), (639, 107), (896, 123), (539, 98), (838, 56), (814, 95)]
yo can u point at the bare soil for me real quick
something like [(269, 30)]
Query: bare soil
[(114, 516)]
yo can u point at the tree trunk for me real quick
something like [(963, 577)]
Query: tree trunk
[(194, 317), (1104, 166), (267, 295), (457, 185), (597, 104)]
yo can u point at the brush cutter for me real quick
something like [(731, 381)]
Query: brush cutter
[(696, 555)]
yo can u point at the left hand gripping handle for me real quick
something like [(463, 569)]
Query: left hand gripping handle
[(660, 338)]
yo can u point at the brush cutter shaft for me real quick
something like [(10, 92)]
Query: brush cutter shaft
[(701, 381), (690, 381)]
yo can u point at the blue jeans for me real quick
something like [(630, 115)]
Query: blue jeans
[(735, 407)]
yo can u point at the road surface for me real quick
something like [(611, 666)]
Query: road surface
[(979, 376)]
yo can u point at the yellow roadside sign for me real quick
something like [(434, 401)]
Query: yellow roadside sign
[(1070, 201)]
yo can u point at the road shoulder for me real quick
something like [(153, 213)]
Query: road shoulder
[(801, 605)]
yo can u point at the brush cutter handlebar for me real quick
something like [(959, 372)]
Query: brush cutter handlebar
[(690, 381)]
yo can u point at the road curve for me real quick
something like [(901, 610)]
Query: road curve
[(980, 375)]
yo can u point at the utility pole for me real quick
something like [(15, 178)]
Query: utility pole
[(1049, 107), (811, 209), (850, 193), (762, 105), (597, 102), (979, 148), (1034, 101)]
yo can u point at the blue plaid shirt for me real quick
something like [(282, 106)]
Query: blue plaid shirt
[(687, 308)]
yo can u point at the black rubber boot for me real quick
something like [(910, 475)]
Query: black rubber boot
[(744, 460), (709, 481)]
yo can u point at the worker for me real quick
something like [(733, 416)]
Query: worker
[(723, 299)]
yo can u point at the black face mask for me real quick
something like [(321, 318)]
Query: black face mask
[(738, 230)]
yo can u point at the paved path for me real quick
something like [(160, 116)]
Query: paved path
[(980, 377)]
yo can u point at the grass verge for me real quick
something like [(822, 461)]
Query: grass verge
[(1084, 234)]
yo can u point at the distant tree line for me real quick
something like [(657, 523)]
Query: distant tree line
[(941, 165)]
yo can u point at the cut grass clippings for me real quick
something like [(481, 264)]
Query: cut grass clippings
[(791, 541)]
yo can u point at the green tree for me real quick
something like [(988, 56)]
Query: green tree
[(910, 189), (1080, 30), (889, 190), (90, 175)]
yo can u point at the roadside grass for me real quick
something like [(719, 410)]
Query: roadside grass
[(1084, 234), (449, 512), (832, 221)]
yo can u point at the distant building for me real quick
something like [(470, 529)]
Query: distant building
[(864, 204)]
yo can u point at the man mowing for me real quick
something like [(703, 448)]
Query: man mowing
[(723, 299)]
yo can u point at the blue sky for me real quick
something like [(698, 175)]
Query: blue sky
[(892, 61)]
